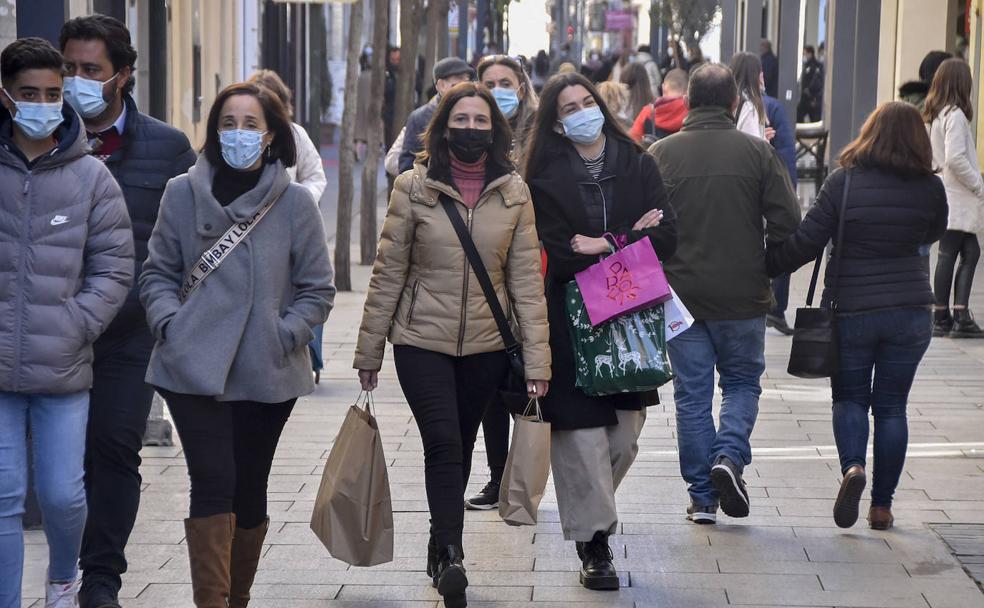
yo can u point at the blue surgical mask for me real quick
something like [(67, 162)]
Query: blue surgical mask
[(584, 126), (241, 147), (86, 96), (507, 100), (37, 120)]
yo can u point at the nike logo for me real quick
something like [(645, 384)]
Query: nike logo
[(58, 220)]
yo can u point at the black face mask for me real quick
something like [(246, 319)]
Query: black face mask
[(468, 145)]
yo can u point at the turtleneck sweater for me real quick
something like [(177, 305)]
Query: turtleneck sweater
[(469, 179)]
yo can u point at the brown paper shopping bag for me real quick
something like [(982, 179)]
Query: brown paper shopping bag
[(527, 468), (353, 515)]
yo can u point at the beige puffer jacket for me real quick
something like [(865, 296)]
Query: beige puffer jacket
[(420, 294)]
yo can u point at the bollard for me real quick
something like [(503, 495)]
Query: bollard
[(158, 431)]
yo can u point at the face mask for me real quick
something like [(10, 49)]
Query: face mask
[(468, 145), (86, 96), (507, 100), (37, 120), (584, 127), (241, 147)]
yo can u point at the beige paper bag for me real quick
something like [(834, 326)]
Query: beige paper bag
[(353, 515), (527, 468)]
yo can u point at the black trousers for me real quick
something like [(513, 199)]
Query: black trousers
[(448, 397), (956, 244), (495, 427), (229, 448), (119, 403)]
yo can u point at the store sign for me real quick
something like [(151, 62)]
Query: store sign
[(619, 20)]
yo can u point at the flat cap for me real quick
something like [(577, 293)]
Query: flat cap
[(452, 66)]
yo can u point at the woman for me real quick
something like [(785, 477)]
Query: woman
[(949, 111), (231, 356), (635, 77), (882, 295), (541, 70), (423, 297), (616, 98), (750, 116), (588, 178), (514, 94)]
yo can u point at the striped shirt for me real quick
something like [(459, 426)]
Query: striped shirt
[(595, 165)]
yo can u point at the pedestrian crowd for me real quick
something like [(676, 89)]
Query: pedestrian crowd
[(133, 264)]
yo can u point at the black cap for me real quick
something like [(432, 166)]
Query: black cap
[(452, 66)]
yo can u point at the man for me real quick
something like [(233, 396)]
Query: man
[(142, 154), (67, 264), (810, 104), (389, 94), (784, 141), (722, 184), (665, 116), (645, 57), (770, 68), (447, 73)]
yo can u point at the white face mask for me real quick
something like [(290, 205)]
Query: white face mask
[(86, 96)]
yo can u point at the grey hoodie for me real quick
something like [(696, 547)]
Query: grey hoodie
[(66, 261), (243, 334)]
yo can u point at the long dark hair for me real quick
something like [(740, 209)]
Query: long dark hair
[(952, 86), (636, 78), (747, 68), (282, 146), (436, 152), (893, 139), (544, 127)]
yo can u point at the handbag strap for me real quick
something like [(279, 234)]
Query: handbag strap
[(836, 257), (471, 252)]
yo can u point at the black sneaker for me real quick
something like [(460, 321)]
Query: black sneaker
[(702, 514), (726, 478), (942, 323), (485, 500), (98, 593), (778, 323), (964, 325), (597, 570)]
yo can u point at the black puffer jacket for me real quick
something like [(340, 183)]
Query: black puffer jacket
[(888, 218), (152, 153)]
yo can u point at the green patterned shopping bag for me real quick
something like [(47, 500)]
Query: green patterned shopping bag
[(624, 355)]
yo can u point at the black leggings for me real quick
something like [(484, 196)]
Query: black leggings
[(448, 397), (229, 448), (953, 244), (495, 427)]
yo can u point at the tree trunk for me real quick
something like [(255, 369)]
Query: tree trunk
[(410, 22), (370, 170), (346, 153), (437, 13)]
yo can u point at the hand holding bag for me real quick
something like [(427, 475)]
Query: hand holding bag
[(353, 513), (524, 480), (814, 351)]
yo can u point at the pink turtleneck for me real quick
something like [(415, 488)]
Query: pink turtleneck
[(469, 179)]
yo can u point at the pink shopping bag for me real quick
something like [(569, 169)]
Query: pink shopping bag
[(628, 280)]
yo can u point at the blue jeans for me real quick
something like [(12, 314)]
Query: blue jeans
[(737, 349), (879, 354), (57, 424), (316, 347)]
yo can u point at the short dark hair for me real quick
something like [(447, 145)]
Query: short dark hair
[(112, 32), (282, 147), (893, 139), (809, 49), (712, 84), (29, 54), (930, 63)]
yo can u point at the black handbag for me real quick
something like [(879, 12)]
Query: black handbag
[(512, 390), (814, 352)]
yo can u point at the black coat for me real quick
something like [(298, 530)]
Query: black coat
[(152, 153), (566, 199), (888, 219)]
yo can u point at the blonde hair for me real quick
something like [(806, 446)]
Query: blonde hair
[(567, 68), (615, 95)]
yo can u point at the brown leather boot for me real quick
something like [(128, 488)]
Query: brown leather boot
[(246, 548), (209, 552), (849, 496), (880, 518)]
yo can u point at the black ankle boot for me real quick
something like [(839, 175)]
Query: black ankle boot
[(450, 577), (964, 325), (597, 570), (942, 322), (432, 558)]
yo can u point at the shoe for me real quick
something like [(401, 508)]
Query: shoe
[(597, 570), (880, 518), (726, 478), (247, 545), (942, 323), (96, 592), (702, 514), (849, 496), (964, 325), (61, 594), (432, 558), (451, 578), (778, 323), (210, 553), (485, 500)]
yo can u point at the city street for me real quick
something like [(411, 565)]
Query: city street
[(787, 553)]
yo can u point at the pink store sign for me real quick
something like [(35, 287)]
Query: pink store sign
[(619, 20)]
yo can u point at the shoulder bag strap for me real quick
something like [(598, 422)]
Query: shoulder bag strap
[(835, 258), (480, 273), (220, 250)]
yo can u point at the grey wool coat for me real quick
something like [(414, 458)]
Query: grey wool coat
[(243, 334), (66, 261)]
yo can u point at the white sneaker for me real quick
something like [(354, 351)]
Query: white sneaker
[(63, 595)]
